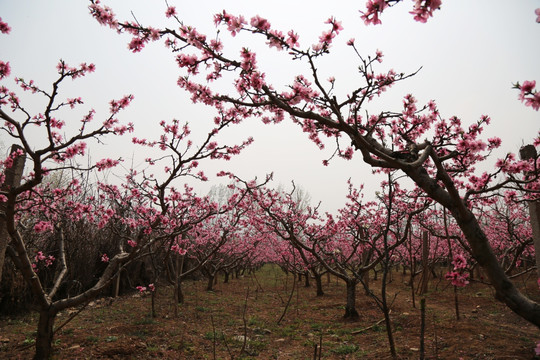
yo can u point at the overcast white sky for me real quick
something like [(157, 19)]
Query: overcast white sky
[(471, 53)]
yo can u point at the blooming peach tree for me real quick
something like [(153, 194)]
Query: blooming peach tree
[(62, 142), (439, 155)]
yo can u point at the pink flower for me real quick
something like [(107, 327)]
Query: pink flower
[(348, 153), (423, 9), (48, 260), (292, 40), (106, 163), (178, 250), (459, 262), (4, 27), (39, 256), (43, 226), (141, 289), (457, 279), (105, 258), (103, 15), (151, 287), (171, 11), (537, 12), (327, 37), (73, 102), (528, 86), (132, 243), (260, 23), (336, 25), (373, 9), (379, 55), (136, 44), (5, 69), (533, 101)]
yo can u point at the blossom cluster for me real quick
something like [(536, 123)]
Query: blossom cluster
[(40, 258), (422, 10), (143, 289), (528, 94), (458, 277)]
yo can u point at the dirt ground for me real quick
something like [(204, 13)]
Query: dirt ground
[(239, 320)]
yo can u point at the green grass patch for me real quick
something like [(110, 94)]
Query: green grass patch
[(345, 349)]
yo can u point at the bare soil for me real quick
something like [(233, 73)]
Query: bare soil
[(238, 320)]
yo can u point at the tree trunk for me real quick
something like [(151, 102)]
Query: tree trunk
[(350, 308), (534, 212), (180, 292), (210, 286), (364, 277), (384, 304), (12, 179), (116, 285), (178, 283), (528, 152), (226, 278), (306, 282), (44, 334), (425, 263), (318, 282), (505, 290), (422, 327)]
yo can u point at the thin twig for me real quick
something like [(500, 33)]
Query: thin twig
[(356, 332), (288, 302), (71, 318), (214, 332), (245, 322)]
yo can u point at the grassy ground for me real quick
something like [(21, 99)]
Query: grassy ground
[(239, 321)]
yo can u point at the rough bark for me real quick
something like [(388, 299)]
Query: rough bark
[(534, 212), (318, 282), (12, 179), (528, 152), (180, 292), (210, 286), (350, 307), (306, 280), (425, 263), (505, 290), (45, 334), (364, 278)]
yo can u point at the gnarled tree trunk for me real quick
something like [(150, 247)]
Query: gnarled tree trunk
[(505, 290), (12, 179)]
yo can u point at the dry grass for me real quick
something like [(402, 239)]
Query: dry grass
[(213, 325)]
